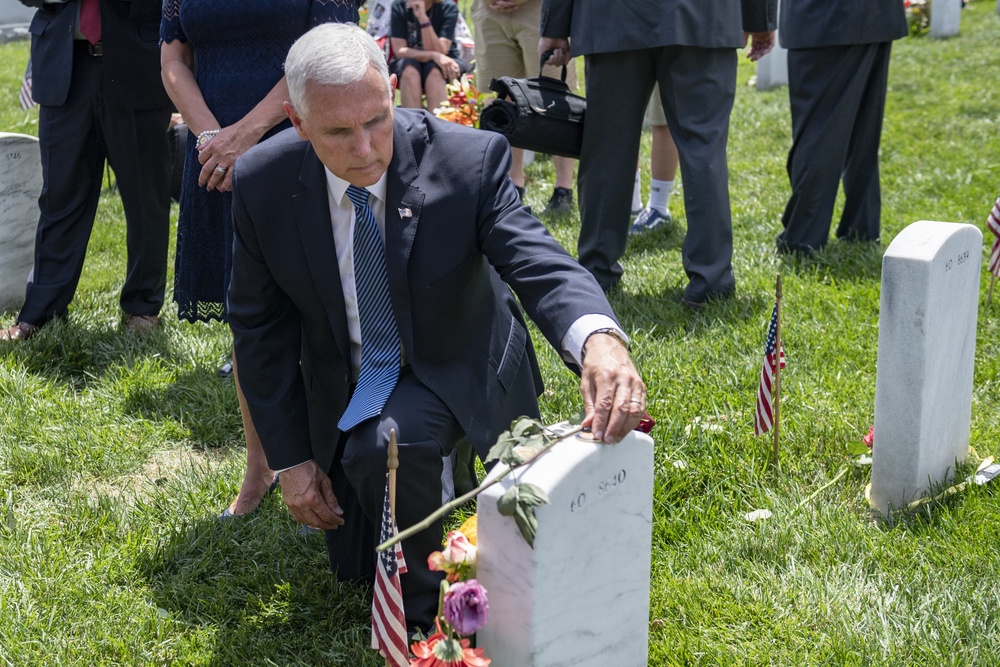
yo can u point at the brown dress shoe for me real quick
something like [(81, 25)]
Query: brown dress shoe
[(19, 331), (141, 325)]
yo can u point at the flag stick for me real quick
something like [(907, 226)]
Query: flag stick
[(989, 296), (393, 465), (777, 370)]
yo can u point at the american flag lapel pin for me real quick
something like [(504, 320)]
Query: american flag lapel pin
[(405, 213)]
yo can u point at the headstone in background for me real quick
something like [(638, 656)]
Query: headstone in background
[(926, 350), (14, 20), (772, 69), (20, 185), (945, 15), (581, 596)]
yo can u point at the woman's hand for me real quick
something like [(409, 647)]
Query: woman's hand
[(218, 156)]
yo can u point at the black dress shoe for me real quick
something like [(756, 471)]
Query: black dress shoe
[(699, 302), (19, 331), (141, 325)]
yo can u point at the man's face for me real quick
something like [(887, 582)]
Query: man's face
[(350, 127)]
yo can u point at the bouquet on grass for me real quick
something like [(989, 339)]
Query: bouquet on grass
[(464, 103), (462, 605)]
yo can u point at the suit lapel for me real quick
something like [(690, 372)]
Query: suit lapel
[(312, 212), (403, 207)]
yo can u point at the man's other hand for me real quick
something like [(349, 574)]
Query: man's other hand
[(309, 495), (560, 50), (614, 396)]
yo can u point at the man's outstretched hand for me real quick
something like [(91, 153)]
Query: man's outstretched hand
[(614, 396), (309, 495)]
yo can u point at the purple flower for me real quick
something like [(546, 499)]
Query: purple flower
[(465, 607)]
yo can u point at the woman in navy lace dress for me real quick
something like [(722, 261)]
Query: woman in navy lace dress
[(222, 65)]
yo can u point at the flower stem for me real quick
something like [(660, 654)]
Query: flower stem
[(461, 500)]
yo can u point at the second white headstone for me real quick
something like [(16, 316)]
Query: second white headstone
[(926, 351)]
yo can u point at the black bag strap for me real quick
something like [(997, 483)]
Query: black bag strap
[(541, 63)]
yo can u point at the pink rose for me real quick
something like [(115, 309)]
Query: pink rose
[(465, 607), (458, 549)]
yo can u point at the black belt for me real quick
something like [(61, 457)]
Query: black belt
[(82, 46)]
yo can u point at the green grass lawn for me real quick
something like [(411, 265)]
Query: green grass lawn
[(117, 454)]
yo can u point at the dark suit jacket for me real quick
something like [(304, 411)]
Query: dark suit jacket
[(130, 37), (448, 264), (810, 23), (599, 26)]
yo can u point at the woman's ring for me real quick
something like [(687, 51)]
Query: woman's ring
[(220, 169)]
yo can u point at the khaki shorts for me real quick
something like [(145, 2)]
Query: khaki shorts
[(507, 44), (654, 110)]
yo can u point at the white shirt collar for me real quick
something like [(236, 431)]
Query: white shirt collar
[(338, 187)]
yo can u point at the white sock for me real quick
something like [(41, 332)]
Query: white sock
[(636, 194), (659, 194)]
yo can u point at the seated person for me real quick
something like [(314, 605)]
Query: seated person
[(422, 34)]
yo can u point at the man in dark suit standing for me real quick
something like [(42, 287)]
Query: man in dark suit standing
[(97, 82), (373, 259), (838, 68), (688, 46)]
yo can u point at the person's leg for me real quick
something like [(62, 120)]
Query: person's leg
[(823, 93), (618, 87), (72, 154), (564, 171), (697, 88), (498, 54), (860, 220), (434, 87), (258, 480), (516, 172), (427, 433), (411, 92), (138, 152), (664, 159), (663, 168)]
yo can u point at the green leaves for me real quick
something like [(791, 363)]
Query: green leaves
[(525, 440), (520, 502)]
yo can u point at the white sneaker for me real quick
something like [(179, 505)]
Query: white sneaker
[(648, 220)]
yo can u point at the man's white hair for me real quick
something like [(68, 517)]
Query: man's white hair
[(331, 54)]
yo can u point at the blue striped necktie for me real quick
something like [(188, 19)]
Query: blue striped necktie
[(379, 336)]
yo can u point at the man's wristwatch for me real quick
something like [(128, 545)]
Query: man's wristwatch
[(614, 333)]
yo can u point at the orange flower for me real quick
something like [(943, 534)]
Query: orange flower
[(440, 651)]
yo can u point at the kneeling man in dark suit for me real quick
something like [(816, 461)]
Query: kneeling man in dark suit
[(375, 253)]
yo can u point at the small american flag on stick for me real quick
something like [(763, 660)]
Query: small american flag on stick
[(993, 222), (25, 96), (388, 620), (763, 416)]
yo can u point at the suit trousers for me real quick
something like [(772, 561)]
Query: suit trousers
[(427, 433), (697, 88), (75, 139), (837, 98)]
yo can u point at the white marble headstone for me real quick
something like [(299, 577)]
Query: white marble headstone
[(20, 185), (580, 598), (945, 15), (926, 350)]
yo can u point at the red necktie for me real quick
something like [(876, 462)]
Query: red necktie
[(90, 20)]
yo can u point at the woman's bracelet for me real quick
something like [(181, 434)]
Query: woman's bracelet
[(205, 137)]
